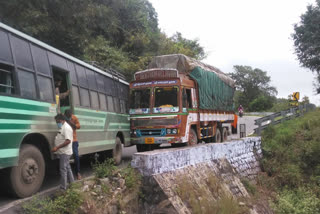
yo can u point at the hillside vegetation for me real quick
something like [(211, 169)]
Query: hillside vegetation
[(291, 157)]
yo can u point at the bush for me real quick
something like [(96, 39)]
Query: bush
[(300, 201), (104, 169), (68, 202)]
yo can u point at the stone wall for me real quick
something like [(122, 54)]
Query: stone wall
[(166, 171)]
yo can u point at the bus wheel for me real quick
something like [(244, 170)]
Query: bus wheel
[(217, 136), (26, 178), (224, 134), (193, 139), (117, 152)]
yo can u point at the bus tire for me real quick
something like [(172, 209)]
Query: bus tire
[(26, 178), (217, 136), (117, 152), (193, 138), (224, 136)]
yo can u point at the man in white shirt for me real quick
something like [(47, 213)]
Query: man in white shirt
[(63, 148)]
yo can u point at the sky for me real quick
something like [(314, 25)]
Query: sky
[(255, 33)]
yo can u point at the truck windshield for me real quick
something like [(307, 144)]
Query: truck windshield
[(166, 100), (140, 98)]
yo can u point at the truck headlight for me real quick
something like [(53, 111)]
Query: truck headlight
[(174, 131), (168, 131)]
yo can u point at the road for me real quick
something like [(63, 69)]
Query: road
[(52, 180)]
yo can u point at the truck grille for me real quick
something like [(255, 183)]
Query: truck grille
[(152, 132)]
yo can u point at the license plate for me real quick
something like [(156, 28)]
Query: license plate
[(149, 140)]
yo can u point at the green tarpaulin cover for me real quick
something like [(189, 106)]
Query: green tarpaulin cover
[(216, 89)]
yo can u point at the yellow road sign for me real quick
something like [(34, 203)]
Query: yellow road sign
[(296, 96)]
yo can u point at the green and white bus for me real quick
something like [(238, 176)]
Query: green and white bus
[(28, 70)]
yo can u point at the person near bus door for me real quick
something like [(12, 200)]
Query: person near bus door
[(73, 121), (59, 96), (63, 148)]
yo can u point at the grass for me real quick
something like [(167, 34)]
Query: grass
[(291, 158), (104, 169), (208, 199), (67, 202)]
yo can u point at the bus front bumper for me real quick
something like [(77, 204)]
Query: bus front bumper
[(155, 140)]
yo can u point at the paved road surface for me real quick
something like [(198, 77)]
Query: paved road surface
[(52, 180)]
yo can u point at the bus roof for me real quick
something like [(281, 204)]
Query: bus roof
[(56, 51)]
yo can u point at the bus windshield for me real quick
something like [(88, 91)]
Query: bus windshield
[(140, 99), (166, 99)]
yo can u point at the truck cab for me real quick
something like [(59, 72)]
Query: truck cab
[(161, 100)]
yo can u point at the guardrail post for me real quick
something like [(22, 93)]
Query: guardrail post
[(258, 130), (301, 110), (283, 116), (272, 119)]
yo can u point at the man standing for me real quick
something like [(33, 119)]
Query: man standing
[(63, 148), (74, 123)]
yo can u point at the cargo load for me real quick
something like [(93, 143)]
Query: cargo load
[(216, 89)]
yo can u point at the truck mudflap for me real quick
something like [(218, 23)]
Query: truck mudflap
[(155, 140)]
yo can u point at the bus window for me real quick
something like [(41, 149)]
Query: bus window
[(103, 101), (22, 52), (45, 88), (41, 60), (110, 104), (27, 84), (6, 83), (5, 51), (75, 95), (116, 104), (91, 79), (84, 97), (94, 99)]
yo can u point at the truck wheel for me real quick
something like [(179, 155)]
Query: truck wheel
[(224, 134), (117, 151), (26, 178), (193, 139), (217, 136)]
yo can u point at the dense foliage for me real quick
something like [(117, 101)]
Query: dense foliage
[(291, 157), (307, 40), (122, 34), (254, 92)]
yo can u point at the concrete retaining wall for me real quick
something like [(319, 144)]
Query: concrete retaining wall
[(165, 171), (242, 155)]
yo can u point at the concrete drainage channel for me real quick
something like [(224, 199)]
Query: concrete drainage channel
[(187, 179)]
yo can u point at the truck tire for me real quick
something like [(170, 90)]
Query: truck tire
[(26, 178), (217, 136), (224, 136), (193, 138), (117, 152)]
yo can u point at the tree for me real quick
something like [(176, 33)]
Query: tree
[(306, 38), (253, 88), (121, 34)]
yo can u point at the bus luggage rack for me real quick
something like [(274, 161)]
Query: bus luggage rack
[(111, 71)]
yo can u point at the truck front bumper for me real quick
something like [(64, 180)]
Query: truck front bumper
[(154, 140)]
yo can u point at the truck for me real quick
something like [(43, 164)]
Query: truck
[(180, 101)]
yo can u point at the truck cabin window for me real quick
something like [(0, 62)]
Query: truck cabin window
[(6, 83), (166, 97), (140, 98)]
